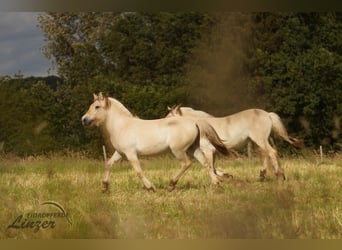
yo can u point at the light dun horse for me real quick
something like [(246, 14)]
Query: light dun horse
[(132, 137), (253, 124)]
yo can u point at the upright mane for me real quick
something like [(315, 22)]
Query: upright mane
[(120, 107), (193, 112)]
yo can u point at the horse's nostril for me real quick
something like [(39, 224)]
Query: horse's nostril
[(85, 121)]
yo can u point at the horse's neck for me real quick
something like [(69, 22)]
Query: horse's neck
[(119, 108), (117, 118)]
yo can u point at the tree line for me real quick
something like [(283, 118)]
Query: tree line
[(289, 63)]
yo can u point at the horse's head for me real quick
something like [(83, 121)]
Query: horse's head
[(175, 111), (97, 111)]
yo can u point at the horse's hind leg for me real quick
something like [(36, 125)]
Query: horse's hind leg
[(133, 159), (185, 164), (270, 156), (206, 159), (115, 157), (264, 168), (275, 163)]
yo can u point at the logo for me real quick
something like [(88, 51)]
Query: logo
[(37, 221)]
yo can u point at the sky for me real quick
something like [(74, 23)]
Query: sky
[(21, 42)]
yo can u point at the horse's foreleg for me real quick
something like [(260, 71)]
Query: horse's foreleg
[(185, 164), (115, 157), (207, 160), (133, 159)]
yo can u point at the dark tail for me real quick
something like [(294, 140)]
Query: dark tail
[(279, 129), (207, 131)]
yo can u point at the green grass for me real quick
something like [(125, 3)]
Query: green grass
[(306, 205)]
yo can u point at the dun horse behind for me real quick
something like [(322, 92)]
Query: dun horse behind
[(236, 129)]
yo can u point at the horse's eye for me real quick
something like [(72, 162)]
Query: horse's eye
[(97, 107)]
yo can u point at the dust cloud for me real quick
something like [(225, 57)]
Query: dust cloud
[(217, 75)]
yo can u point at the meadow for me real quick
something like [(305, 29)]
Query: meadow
[(307, 205)]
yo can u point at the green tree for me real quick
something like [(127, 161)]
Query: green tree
[(72, 41), (298, 71), (140, 48), (25, 107)]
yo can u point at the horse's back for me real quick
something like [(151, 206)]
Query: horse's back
[(248, 118), (235, 129)]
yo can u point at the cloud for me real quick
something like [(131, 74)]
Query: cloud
[(20, 45)]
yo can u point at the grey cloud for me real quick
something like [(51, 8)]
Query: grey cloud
[(20, 45)]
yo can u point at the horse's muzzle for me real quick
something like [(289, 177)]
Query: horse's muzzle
[(86, 121)]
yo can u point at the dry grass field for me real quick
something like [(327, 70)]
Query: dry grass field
[(307, 205)]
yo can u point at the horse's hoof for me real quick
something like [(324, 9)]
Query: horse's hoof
[(225, 178), (228, 175), (217, 187), (262, 175), (281, 176), (105, 186), (172, 186), (151, 189)]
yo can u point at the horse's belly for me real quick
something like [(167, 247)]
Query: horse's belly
[(151, 148), (235, 140)]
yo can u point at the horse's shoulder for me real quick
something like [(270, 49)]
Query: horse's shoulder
[(178, 121), (172, 122)]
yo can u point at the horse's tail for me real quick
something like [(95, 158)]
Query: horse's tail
[(208, 132), (279, 129)]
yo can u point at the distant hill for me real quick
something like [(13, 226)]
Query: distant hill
[(25, 82), (52, 81)]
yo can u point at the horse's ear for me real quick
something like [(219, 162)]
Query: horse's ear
[(96, 97), (178, 109), (100, 96), (168, 108), (107, 102)]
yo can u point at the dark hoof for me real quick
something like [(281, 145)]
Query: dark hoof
[(280, 176), (217, 187), (228, 176), (151, 189), (225, 178), (172, 186), (105, 186), (262, 175)]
